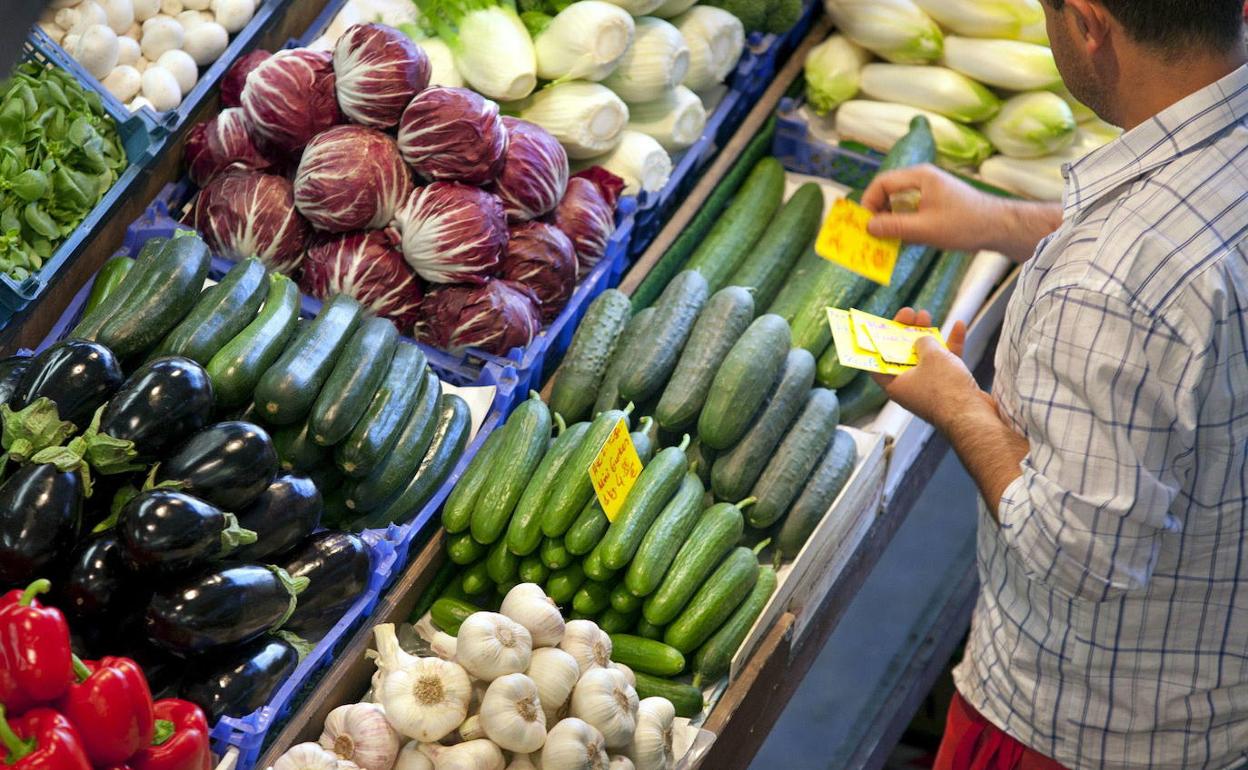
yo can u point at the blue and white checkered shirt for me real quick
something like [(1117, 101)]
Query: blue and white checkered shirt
[(1111, 631)]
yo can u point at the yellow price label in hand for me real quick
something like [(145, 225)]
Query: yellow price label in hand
[(615, 470), (844, 240), (893, 341)]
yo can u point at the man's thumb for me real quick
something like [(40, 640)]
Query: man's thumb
[(888, 226)]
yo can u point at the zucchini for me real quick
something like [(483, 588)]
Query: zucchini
[(237, 367), (286, 392), (651, 357), (457, 512), (646, 655), (106, 282), (375, 433), (609, 393), (715, 534), (735, 471), (685, 698), (563, 584), (740, 227), (665, 537), (396, 468), (554, 554), (476, 580), (353, 381), (789, 468), (651, 492), (524, 532), (450, 438), (744, 380), (786, 238), (88, 327), (449, 614), (296, 451), (580, 376), (502, 565), (595, 569), (715, 601), (623, 600), (647, 630), (940, 285), (522, 449), (714, 657), (826, 482), (221, 312), (860, 398), (721, 323), (462, 549), (615, 622), (643, 439), (587, 531), (164, 295), (572, 488), (532, 570), (592, 598)]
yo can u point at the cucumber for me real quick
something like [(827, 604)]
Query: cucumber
[(397, 467), (646, 655), (502, 589), (715, 601), (446, 575), (786, 238), (701, 461), (792, 295), (572, 488), (237, 367), (860, 398), (744, 380), (665, 537), (502, 565), (714, 657), (524, 532), (106, 282), (940, 285), (643, 439), (721, 323), (462, 549), (554, 554), (449, 614), (651, 357), (587, 531), (615, 622), (789, 468), (476, 580), (580, 376), (286, 392), (715, 534), (647, 630), (685, 698), (163, 297), (595, 569), (457, 512), (563, 584), (353, 381), (609, 393), (524, 445), (651, 492), (450, 438), (592, 598), (736, 470), (375, 433), (826, 482), (532, 570), (89, 325), (623, 600), (296, 451), (740, 227), (221, 312)]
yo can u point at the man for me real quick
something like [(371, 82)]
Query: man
[(1111, 630)]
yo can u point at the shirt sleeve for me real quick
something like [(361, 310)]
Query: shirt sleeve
[(1105, 402)]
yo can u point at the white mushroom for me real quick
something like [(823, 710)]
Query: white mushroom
[(127, 50), (160, 34), (206, 42), (182, 67), (233, 14), (138, 103), (196, 5), (120, 14), (171, 7), (189, 19), (160, 88), (53, 31), (97, 50), (142, 63), (81, 16), (145, 9), (124, 82), (70, 42)]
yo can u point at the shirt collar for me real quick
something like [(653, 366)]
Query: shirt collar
[(1155, 142)]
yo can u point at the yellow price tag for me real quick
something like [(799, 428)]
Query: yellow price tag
[(844, 240), (853, 355), (615, 470), (893, 341)]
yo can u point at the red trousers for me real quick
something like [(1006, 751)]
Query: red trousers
[(971, 742)]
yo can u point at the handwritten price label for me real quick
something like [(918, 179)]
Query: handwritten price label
[(615, 470), (844, 240)]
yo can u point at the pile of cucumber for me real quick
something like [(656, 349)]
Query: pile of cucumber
[(347, 402)]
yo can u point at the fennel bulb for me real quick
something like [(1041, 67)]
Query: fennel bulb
[(1032, 126), (583, 42), (586, 118), (656, 63), (1038, 178), (984, 18), (442, 71), (673, 8), (1006, 64), (676, 119), (493, 50), (938, 89), (638, 7), (833, 72), (896, 30), (639, 160), (880, 124), (716, 39)]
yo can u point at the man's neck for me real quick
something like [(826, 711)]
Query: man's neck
[(1169, 85)]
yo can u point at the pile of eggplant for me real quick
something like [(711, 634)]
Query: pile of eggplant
[(170, 534)]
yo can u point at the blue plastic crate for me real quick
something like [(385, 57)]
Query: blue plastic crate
[(801, 151)]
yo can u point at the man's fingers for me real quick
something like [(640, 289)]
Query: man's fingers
[(905, 316), (884, 185), (924, 318), (957, 338), (899, 226), (926, 346)]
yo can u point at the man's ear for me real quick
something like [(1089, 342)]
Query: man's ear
[(1092, 23)]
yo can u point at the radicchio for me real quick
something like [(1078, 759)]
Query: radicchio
[(378, 70), (351, 178), (368, 266), (453, 134), (535, 171), (235, 77), (289, 98), (452, 232), (542, 258), (586, 218), (221, 143), (248, 213), (495, 317)]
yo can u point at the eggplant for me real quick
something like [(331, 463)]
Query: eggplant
[(40, 515), (100, 594), (237, 682), (228, 464), (170, 532), (11, 371), (286, 512), (76, 375), (229, 607), (337, 566), (163, 401)]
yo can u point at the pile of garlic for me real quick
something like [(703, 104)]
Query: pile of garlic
[(147, 53), (519, 689)]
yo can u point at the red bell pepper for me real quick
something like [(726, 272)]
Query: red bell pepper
[(181, 741), (112, 709), (35, 657), (41, 739)]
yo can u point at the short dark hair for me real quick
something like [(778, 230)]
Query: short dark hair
[(1174, 23)]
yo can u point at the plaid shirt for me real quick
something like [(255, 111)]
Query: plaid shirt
[(1111, 630)]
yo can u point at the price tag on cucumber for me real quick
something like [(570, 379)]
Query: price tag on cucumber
[(615, 470)]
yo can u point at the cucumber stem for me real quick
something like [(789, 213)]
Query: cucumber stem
[(759, 548), (560, 424), (746, 503), (684, 443)]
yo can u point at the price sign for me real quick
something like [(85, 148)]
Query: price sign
[(844, 240), (615, 470)]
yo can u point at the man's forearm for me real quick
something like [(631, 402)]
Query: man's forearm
[(989, 448), (1020, 226)]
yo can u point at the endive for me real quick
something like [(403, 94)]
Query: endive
[(1083, 113), (1032, 126), (1039, 178), (586, 118), (1008, 64), (984, 18), (938, 89), (656, 62), (833, 71), (715, 39), (639, 160), (675, 119), (881, 124), (583, 41), (493, 50), (897, 30)]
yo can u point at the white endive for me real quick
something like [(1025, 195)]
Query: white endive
[(833, 71), (984, 18), (1095, 134), (573, 744), (675, 120), (410, 758), (471, 755), (442, 70), (897, 30), (555, 673), (716, 40), (583, 41), (1038, 178), (586, 118), (673, 8), (938, 89), (1008, 64), (490, 645), (511, 714), (606, 700), (639, 160), (652, 740), (656, 62), (424, 698), (880, 124), (528, 605), (1083, 113), (1032, 126), (589, 644), (361, 733)]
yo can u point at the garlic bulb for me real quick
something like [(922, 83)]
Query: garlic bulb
[(511, 714), (521, 762), (574, 745), (528, 605), (626, 671), (652, 740), (604, 698), (424, 698), (555, 673), (410, 758), (621, 762), (473, 755), (491, 645), (588, 643), (360, 733), (310, 756), (471, 729), (444, 645)]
